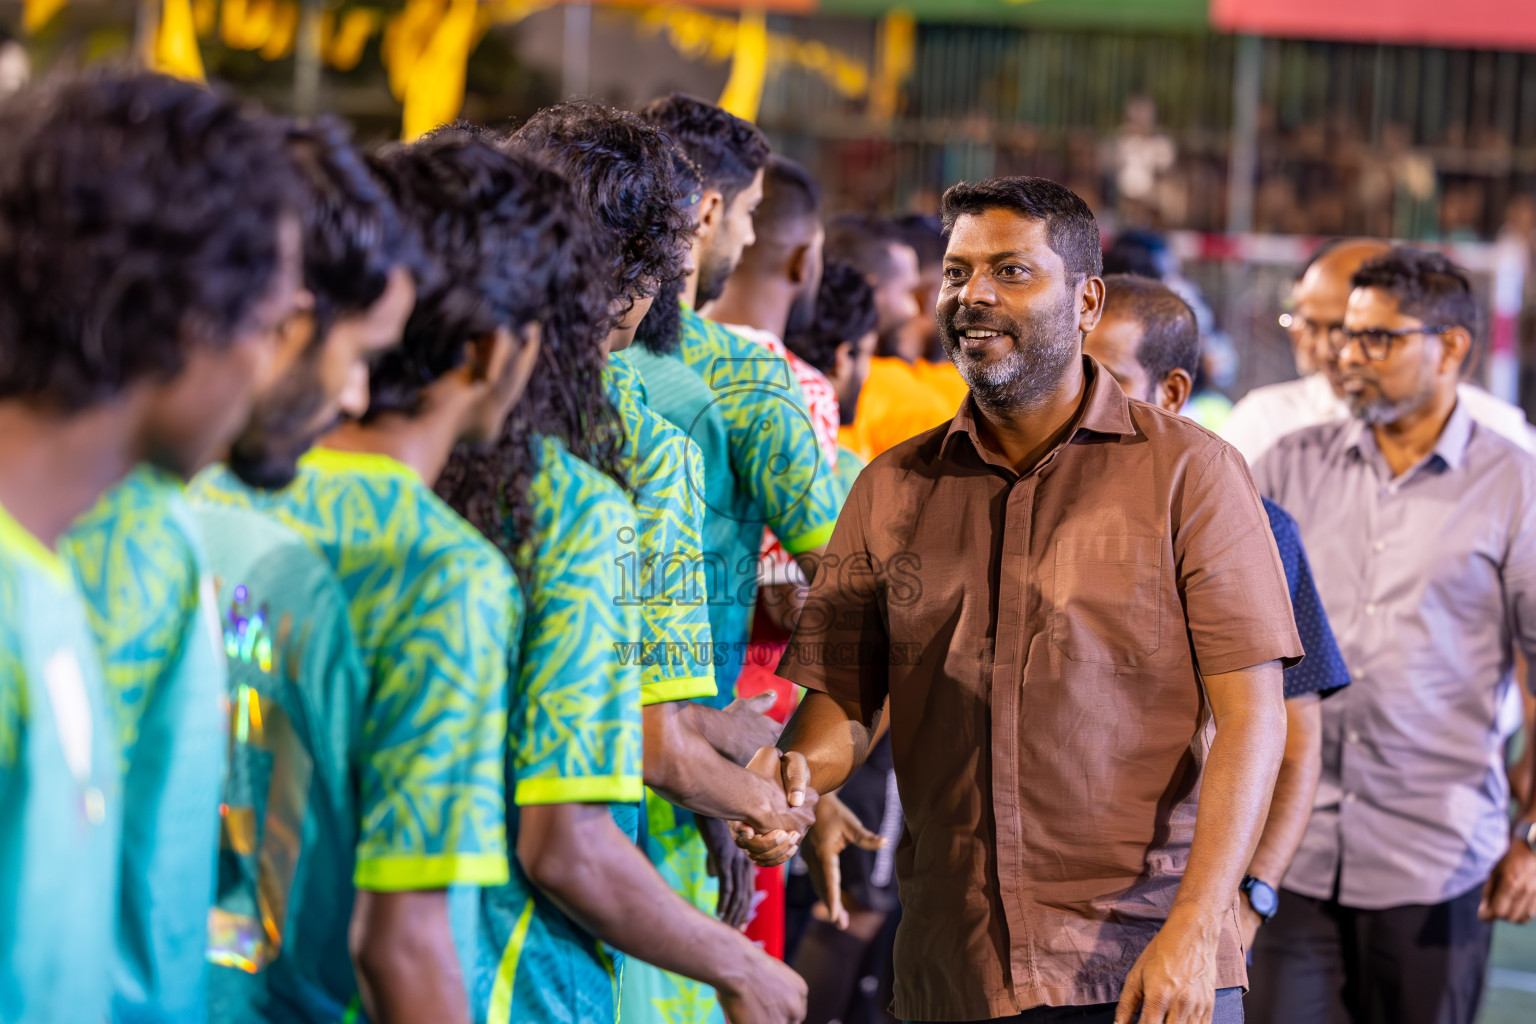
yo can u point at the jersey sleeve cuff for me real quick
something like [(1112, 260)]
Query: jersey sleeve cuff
[(809, 541), (683, 688), (592, 789), (408, 874)]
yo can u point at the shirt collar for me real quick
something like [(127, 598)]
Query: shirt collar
[(1105, 410), (1450, 449)]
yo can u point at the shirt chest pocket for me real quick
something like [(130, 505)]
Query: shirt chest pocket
[(1107, 606)]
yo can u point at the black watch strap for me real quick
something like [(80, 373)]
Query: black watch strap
[(1261, 897)]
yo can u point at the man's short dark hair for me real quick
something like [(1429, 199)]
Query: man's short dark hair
[(790, 196), (623, 167), (925, 234), (1071, 231), (138, 217), (727, 150), (865, 241), (845, 312), (353, 236), (1136, 252), (1171, 334), (1426, 285)]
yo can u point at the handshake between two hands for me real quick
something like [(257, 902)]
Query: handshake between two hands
[(800, 814)]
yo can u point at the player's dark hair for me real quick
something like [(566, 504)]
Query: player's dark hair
[(661, 332), (1170, 333), (1136, 252), (865, 241), (353, 236), (511, 247), (139, 218), (623, 169), (925, 234), (1071, 230), (1426, 285), (790, 195), (728, 150), (845, 312)]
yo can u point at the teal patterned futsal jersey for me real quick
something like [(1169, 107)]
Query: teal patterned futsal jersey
[(771, 471), (665, 572), (140, 565), (432, 605), (291, 819), (574, 737), (59, 796)]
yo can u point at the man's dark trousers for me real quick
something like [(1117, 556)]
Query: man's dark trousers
[(1322, 963)]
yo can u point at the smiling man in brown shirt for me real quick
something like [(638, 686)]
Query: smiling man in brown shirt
[(1057, 591)]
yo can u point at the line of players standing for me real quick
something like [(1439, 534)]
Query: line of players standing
[(353, 654)]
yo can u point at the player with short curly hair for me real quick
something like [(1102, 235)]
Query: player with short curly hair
[(149, 259)]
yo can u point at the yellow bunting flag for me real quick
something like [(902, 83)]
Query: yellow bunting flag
[(435, 91), (175, 45), (749, 66), (898, 54), (37, 13)]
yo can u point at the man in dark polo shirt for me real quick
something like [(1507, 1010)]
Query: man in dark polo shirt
[(1057, 591)]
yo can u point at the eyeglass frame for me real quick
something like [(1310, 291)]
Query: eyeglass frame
[(1387, 339)]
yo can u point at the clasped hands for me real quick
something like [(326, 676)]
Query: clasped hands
[(836, 828)]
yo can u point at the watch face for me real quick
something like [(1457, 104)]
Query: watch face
[(1262, 899)]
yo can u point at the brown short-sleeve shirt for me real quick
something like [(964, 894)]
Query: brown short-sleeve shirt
[(1040, 638)]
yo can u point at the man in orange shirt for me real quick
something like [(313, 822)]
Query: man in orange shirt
[(920, 343)]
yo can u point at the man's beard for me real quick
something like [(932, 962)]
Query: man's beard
[(283, 427), (1379, 411), (1030, 371), (714, 271)]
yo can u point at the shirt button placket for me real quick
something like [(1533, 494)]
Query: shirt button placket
[(1007, 686)]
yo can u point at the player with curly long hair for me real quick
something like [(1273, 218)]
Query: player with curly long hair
[(577, 739)]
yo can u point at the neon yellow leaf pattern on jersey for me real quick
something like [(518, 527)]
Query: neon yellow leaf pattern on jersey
[(663, 573), (139, 572), (433, 604), (576, 712)]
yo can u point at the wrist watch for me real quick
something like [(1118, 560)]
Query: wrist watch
[(1525, 831), (1261, 897)]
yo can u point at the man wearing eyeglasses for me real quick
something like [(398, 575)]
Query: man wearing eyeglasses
[(1421, 524), (1266, 414)]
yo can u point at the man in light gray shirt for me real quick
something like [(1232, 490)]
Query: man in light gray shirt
[(1421, 524)]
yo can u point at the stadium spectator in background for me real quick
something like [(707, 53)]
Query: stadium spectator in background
[(921, 345), (1315, 322), (1421, 523), (840, 342), (1031, 820), (149, 263), (898, 402), (1149, 342)]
